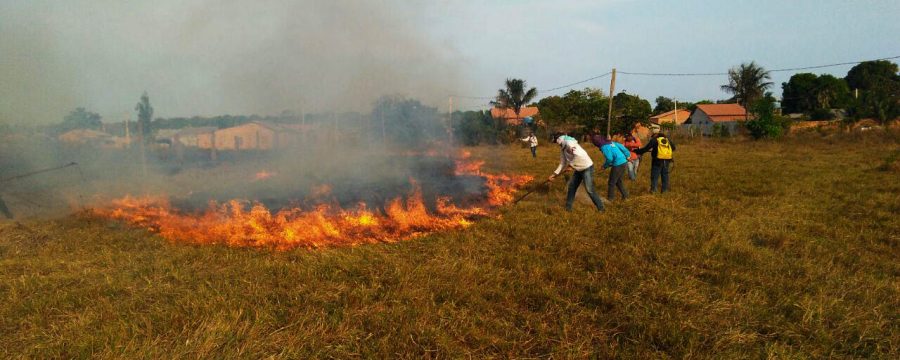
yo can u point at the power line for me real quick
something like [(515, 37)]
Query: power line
[(574, 83), (682, 74), (773, 70), (539, 90), (831, 65)]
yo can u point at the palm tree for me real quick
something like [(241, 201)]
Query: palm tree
[(748, 83), (514, 96)]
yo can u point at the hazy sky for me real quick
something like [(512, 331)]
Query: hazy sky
[(241, 57)]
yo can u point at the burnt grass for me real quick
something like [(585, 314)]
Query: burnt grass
[(772, 249)]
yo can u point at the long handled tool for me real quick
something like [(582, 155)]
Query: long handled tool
[(533, 189)]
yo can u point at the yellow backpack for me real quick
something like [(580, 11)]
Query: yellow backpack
[(663, 149)]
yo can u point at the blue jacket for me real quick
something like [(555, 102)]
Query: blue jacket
[(616, 154)]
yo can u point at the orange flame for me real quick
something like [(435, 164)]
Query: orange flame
[(264, 174), (240, 223)]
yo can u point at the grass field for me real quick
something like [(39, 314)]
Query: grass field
[(783, 249)]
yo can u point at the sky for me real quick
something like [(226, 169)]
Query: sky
[(206, 57)]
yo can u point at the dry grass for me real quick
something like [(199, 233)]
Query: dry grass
[(762, 249)]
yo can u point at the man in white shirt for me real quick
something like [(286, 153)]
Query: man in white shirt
[(572, 154), (532, 142)]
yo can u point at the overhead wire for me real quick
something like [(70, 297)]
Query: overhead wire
[(682, 74)]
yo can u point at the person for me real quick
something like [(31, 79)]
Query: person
[(632, 143), (616, 158), (572, 154), (532, 142), (661, 149)]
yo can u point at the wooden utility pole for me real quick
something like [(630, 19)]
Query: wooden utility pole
[(676, 111), (450, 122), (383, 132), (612, 89), (143, 153), (127, 133)]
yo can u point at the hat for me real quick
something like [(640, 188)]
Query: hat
[(600, 140)]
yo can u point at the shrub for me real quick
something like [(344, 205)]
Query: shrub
[(764, 123), (821, 114)]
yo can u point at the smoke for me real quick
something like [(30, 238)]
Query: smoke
[(212, 58), (215, 57)]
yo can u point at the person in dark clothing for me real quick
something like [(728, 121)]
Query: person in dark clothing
[(616, 156), (659, 167)]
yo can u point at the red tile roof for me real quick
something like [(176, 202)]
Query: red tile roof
[(723, 112), (508, 114), (510, 117), (669, 116)]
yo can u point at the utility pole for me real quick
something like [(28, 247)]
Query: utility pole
[(676, 110), (450, 122), (383, 132), (612, 88), (143, 154), (127, 133)]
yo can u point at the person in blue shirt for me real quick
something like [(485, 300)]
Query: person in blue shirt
[(616, 156)]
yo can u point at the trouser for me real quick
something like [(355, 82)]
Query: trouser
[(534, 151), (616, 176), (659, 169), (586, 176), (633, 166)]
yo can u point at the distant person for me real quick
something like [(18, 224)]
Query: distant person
[(632, 143), (661, 149), (616, 159), (531, 140), (572, 154)]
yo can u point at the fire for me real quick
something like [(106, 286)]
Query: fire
[(263, 175), (246, 224)]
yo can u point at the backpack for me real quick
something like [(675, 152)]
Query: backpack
[(663, 149)]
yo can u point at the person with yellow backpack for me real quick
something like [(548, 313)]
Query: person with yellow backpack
[(661, 149)]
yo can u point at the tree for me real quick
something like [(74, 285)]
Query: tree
[(583, 108), (811, 94), (663, 104), (514, 96), (629, 110), (81, 119), (145, 115), (869, 74), (407, 121), (798, 94), (831, 92), (879, 87), (747, 83), (475, 127), (764, 123)]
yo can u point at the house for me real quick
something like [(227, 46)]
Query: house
[(509, 116), (677, 117), (200, 137), (92, 138), (729, 116), (254, 135)]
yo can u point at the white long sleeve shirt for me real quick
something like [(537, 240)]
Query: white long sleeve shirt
[(531, 140), (572, 154)]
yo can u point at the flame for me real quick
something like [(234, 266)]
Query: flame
[(264, 174), (246, 224)]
